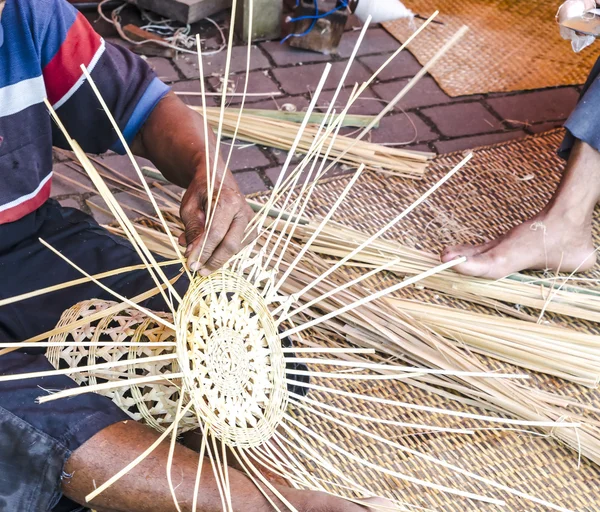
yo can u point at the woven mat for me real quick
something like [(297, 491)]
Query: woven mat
[(512, 45), (504, 185)]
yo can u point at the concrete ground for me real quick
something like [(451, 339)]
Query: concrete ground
[(427, 119)]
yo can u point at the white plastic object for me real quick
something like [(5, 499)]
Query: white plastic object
[(381, 10), (574, 9)]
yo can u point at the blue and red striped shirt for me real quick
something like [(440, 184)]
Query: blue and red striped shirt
[(43, 44)]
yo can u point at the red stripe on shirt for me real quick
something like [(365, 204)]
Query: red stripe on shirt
[(64, 70), (27, 207)]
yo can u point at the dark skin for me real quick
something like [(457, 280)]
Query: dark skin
[(173, 139)]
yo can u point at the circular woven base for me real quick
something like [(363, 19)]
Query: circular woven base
[(231, 355)]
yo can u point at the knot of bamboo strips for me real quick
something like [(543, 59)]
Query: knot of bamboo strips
[(231, 356)]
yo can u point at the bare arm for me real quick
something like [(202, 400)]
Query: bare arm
[(173, 139), (145, 488)]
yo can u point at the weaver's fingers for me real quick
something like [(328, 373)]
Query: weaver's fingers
[(229, 246)]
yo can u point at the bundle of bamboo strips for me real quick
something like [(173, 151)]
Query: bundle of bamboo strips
[(281, 134), (339, 241), (560, 352), (556, 351)]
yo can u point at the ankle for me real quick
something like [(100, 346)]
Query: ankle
[(578, 216)]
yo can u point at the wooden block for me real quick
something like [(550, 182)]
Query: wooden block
[(185, 11), (266, 23), (135, 33)]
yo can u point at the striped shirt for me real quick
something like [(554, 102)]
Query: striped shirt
[(43, 44)]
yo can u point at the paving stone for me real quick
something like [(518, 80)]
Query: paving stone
[(536, 106), (248, 157), (63, 187), (274, 172), (407, 128), (424, 94), (366, 104), (461, 119), (193, 86), (376, 40), (123, 165), (163, 68), (70, 202), (303, 79), (419, 147), (353, 23), (278, 102), (258, 82), (544, 127), (404, 65), (215, 64), (464, 143), (284, 55), (250, 182)]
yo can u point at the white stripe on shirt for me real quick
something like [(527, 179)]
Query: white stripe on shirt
[(23, 199), (79, 82), (17, 97)]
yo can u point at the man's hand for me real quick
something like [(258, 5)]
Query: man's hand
[(231, 215), (173, 139)]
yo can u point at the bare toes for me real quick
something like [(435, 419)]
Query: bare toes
[(479, 265), (459, 251)]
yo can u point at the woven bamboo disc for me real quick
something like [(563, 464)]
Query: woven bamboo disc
[(512, 45), (230, 352), (154, 404)]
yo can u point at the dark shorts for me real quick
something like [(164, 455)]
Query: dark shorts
[(37, 439)]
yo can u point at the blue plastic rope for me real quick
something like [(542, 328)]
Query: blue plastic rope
[(315, 17)]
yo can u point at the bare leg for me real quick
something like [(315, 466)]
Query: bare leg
[(145, 488), (559, 237)]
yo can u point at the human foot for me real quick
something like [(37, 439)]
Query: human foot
[(552, 240)]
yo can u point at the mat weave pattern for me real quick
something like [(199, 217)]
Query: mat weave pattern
[(504, 185), (512, 45)]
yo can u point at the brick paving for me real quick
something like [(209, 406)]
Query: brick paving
[(427, 119)]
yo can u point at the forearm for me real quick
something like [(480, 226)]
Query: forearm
[(145, 488), (174, 140)]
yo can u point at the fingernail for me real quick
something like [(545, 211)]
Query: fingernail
[(195, 267), (205, 272)]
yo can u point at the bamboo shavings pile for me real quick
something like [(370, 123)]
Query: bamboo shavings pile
[(339, 241), (281, 134)]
